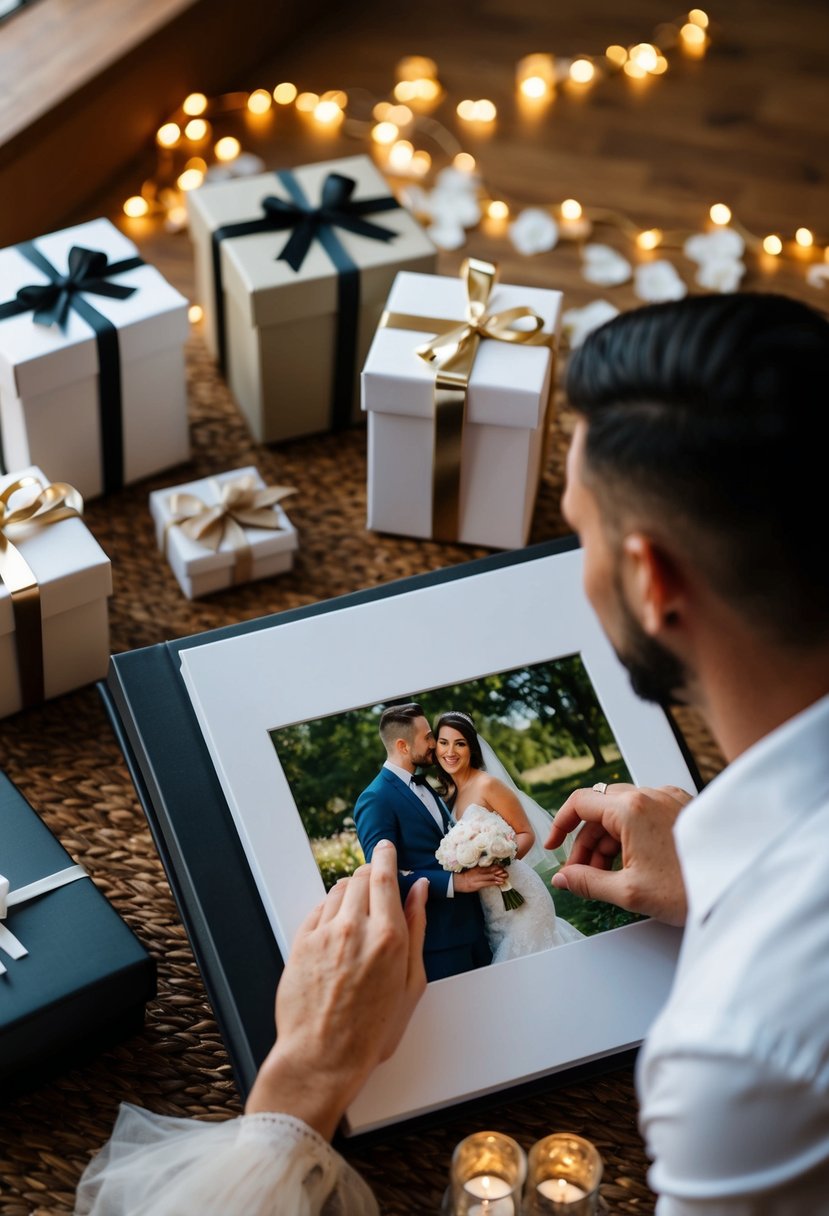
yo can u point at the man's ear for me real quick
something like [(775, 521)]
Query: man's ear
[(653, 582)]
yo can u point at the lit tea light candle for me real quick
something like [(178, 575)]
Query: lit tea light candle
[(285, 93), (136, 206), (194, 104), (773, 245), (582, 71), (327, 112), (650, 238), (227, 148), (495, 1195), (260, 101), (482, 110), (561, 1191), (804, 238), (693, 39), (720, 214), (168, 135)]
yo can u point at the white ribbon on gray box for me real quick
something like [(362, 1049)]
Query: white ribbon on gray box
[(8, 942)]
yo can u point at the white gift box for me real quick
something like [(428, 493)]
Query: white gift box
[(281, 324), (74, 580), (199, 569), (50, 382), (506, 416)]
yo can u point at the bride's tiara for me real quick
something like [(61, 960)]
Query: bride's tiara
[(458, 713)]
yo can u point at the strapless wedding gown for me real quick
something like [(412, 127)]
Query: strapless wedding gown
[(534, 926)]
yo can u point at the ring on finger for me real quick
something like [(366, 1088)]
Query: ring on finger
[(600, 787)]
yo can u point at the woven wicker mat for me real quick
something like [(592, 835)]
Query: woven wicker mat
[(66, 762)]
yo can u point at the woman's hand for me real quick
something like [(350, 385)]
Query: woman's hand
[(636, 822), (350, 985)]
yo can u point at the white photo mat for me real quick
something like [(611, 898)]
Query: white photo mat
[(482, 1031)]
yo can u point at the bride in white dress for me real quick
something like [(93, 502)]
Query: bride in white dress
[(472, 776)]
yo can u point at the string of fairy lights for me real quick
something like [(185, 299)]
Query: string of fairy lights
[(190, 150)]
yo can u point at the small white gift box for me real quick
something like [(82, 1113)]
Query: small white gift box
[(96, 397), (54, 582), (292, 335), (471, 475), (223, 530)]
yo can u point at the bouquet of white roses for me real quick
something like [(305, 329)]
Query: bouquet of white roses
[(480, 838)]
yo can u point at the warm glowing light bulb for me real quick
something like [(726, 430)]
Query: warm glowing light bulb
[(692, 35), (382, 111), (571, 210), (190, 179), (617, 55), (804, 238), (338, 96), (227, 148), (136, 206), (401, 116), (720, 214), (534, 86), (464, 162), (168, 135), (285, 93), (485, 111), (194, 104), (405, 90), (467, 110), (400, 155), (660, 66), (421, 163), (195, 313), (582, 71), (645, 55), (197, 129), (416, 67), (384, 133), (497, 209), (327, 112), (306, 103), (633, 70), (425, 88), (698, 17), (259, 101), (773, 245), (650, 238)]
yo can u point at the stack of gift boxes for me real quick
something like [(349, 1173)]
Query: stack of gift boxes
[(320, 301)]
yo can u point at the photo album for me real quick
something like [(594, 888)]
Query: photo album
[(251, 748)]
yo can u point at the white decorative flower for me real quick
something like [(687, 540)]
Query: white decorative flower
[(715, 246), (467, 853), (604, 266), (447, 235), (658, 281), (818, 275), (455, 181), (246, 164), (454, 207), (721, 274), (535, 231), (579, 322)]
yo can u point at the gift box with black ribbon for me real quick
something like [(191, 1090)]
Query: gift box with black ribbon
[(293, 269), (54, 582), (73, 977), (92, 383), (458, 388), (224, 530)]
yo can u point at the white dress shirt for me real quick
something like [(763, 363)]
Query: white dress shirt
[(734, 1076)]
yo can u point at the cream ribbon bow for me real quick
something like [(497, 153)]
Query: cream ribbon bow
[(8, 942), (242, 504)]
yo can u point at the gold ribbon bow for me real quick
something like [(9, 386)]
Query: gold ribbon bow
[(453, 352), (241, 505), (49, 504)]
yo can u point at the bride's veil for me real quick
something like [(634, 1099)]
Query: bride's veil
[(540, 820)]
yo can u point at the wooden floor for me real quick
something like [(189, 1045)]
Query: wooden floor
[(746, 125)]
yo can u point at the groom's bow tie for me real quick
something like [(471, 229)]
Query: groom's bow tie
[(419, 779)]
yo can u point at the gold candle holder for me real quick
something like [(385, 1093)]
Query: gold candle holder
[(563, 1177), (487, 1176)]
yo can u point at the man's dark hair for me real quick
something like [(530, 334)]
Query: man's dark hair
[(705, 414), (397, 722)]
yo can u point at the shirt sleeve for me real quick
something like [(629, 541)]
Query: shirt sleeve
[(733, 1136), (262, 1165)]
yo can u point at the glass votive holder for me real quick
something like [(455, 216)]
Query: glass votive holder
[(563, 1176), (487, 1176)]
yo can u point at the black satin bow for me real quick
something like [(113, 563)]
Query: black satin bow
[(88, 271), (336, 210)]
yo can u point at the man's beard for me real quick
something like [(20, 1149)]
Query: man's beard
[(655, 673), (426, 760)]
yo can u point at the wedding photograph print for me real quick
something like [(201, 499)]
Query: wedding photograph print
[(541, 733)]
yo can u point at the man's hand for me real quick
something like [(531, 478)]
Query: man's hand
[(350, 985), (638, 823), (479, 877)]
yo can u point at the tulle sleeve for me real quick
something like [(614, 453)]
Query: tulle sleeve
[(258, 1165)]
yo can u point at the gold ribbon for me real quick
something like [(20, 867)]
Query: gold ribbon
[(241, 505), (453, 352), (50, 504)]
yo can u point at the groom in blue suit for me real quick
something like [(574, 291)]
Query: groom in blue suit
[(401, 807)]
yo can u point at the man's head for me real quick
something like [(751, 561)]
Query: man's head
[(697, 451), (407, 736)]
